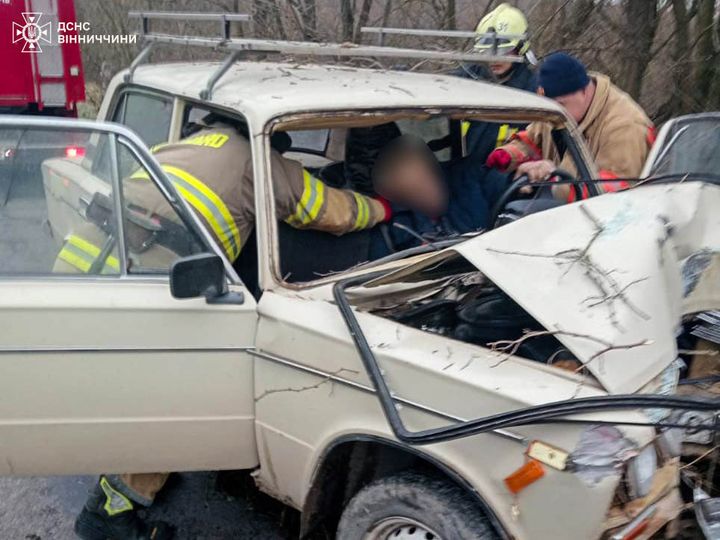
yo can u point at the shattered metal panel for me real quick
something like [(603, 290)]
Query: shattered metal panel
[(609, 277), (607, 274)]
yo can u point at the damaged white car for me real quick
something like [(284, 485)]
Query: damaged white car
[(518, 383), (687, 148)]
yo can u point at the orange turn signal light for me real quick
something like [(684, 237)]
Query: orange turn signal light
[(527, 474)]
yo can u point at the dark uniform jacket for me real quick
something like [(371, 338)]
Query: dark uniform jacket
[(481, 138)]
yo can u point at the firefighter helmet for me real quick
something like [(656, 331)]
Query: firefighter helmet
[(503, 20)]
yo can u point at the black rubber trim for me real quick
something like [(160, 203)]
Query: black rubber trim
[(547, 413)]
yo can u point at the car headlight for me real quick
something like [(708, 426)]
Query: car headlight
[(641, 472)]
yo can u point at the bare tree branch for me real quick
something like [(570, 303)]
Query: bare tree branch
[(510, 347)]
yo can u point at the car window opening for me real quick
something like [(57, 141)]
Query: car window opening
[(454, 199)]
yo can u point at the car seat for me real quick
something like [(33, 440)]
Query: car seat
[(362, 147)]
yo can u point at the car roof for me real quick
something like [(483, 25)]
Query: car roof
[(262, 90)]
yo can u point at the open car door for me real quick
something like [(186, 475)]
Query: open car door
[(103, 370), (687, 146)]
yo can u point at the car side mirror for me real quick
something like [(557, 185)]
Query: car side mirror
[(198, 275)]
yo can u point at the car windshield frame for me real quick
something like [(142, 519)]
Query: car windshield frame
[(344, 118)]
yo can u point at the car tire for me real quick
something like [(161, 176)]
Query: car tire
[(411, 506)]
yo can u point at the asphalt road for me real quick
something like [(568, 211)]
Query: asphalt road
[(45, 508)]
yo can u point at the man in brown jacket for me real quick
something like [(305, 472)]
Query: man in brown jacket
[(615, 128)]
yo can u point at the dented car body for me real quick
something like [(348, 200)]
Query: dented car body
[(323, 387), (582, 293)]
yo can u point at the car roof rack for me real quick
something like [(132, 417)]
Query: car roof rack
[(239, 47), (383, 31)]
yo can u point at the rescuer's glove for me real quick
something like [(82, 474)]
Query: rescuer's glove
[(499, 159)]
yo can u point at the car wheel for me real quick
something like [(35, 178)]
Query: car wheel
[(411, 506)]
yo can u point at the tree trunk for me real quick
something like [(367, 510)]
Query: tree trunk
[(707, 56), (362, 19), (641, 18), (450, 22), (385, 19), (576, 19), (347, 19), (679, 71), (311, 18), (267, 20)]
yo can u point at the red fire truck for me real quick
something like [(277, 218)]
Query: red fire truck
[(40, 75)]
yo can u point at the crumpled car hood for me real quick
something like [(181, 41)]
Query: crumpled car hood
[(611, 276)]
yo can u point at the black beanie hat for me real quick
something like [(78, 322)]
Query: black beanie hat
[(562, 74)]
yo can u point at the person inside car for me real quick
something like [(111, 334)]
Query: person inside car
[(500, 33), (430, 200)]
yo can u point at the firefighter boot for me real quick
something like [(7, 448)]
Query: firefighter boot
[(110, 515)]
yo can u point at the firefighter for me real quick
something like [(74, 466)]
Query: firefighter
[(212, 170), (199, 167), (481, 138), (616, 129)]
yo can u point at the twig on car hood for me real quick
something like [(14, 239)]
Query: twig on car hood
[(510, 347), (609, 289)]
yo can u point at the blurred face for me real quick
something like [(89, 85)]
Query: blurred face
[(500, 69), (414, 182), (577, 103)]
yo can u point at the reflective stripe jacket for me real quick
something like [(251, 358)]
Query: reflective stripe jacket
[(85, 253), (616, 130), (212, 170)]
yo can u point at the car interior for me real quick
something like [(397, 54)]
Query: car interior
[(350, 150), (306, 255), (341, 157)]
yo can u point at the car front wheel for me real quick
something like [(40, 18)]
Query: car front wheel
[(411, 506)]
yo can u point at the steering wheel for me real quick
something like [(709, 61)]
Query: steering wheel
[(523, 181)]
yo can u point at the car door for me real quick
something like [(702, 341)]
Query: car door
[(686, 146), (101, 369)]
